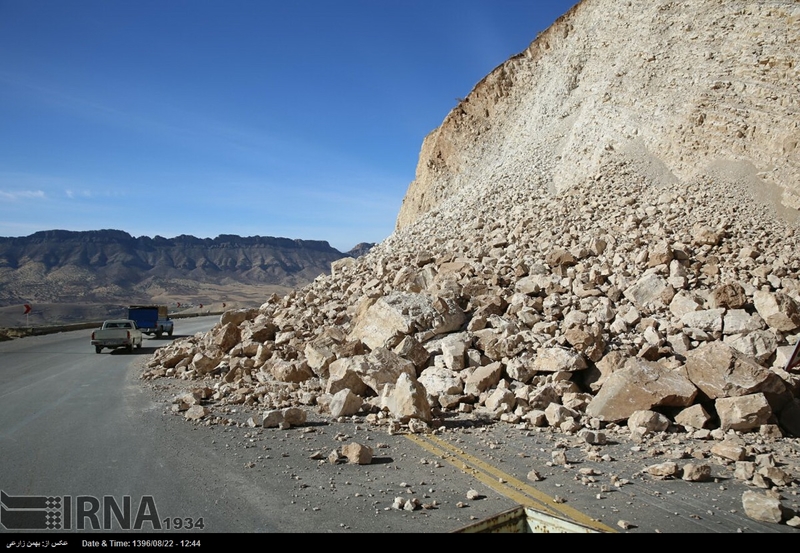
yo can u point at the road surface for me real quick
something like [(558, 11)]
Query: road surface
[(83, 428)]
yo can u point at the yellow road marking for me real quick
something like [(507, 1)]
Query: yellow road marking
[(511, 487)]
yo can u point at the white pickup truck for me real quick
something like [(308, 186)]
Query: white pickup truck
[(117, 333)]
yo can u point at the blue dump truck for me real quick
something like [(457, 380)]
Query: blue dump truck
[(151, 319)]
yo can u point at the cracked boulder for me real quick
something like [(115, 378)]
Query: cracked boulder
[(392, 317)]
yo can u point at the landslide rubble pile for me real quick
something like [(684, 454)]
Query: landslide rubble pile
[(603, 302), (651, 286)]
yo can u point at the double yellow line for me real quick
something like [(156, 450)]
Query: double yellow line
[(502, 483)]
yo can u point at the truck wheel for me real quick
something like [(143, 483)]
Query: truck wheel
[(170, 332), (129, 348), (139, 345), (158, 334), (98, 349)]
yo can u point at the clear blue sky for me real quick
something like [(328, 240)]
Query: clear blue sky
[(298, 119)]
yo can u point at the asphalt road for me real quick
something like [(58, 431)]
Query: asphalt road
[(78, 424), (82, 427)]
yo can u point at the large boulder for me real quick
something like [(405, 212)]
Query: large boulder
[(406, 399), (225, 336), (640, 385), (384, 367), (399, 314), (289, 371), (441, 381), (346, 373), (483, 378), (743, 412), (344, 403), (719, 370), (237, 316)]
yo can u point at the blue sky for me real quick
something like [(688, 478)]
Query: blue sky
[(300, 119)]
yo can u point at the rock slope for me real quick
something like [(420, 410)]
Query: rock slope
[(680, 89), (602, 237)]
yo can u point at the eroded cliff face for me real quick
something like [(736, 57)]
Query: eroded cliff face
[(681, 90)]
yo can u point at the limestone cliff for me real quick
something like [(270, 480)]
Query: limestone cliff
[(681, 90)]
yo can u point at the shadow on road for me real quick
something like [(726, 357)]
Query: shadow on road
[(137, 351), (381, 460)]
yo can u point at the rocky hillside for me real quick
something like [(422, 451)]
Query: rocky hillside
[(681, 90), (107, 265), (602, 238)]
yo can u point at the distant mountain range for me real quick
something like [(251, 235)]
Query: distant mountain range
[(111, 265)]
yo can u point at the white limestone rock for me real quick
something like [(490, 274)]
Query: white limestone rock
[(399, 314), (650, 291), (708, 320), (759, 344), (558, 359), (345, 403), (739, 321), (441, 381), (483, 378), (406, 399)]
